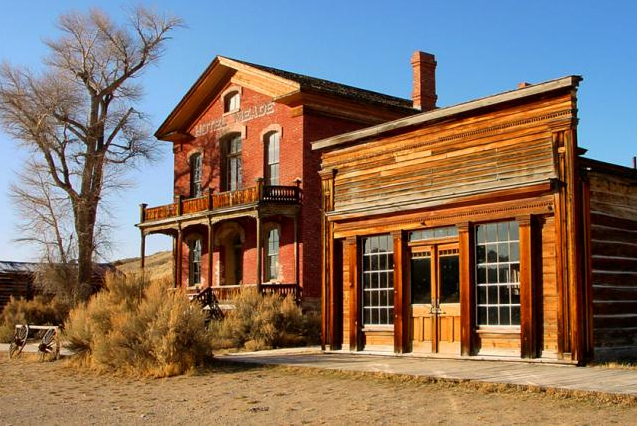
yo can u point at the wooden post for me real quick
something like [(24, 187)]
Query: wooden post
[(528, 304), (142, 212), (401, 293), (259, 254), (327, 205), (179, 201), (296, 255), (354, 295), (336, 294), (209, 194), (210, 249), (178, 260), (142, 258), (467, 288), (259, 182)]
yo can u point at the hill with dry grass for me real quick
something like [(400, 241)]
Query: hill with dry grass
[(158, 265)]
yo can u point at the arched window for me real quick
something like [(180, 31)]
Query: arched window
[(195, 175), (272, 158), (272, 254), (194, 262), (232, 102), (232, 163)]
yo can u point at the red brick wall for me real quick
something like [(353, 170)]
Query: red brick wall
[(297, 160)]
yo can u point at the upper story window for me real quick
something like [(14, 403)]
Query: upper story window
[(272, 158), (194, 262), (195, 175), (231, 153), (232, 101)]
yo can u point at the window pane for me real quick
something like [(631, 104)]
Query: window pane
[(450, 279), (421, 280), (378, 277)]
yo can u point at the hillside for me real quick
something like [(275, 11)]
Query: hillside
[(158, 265)]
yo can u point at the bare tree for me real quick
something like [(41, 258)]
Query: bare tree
[(77, 117)]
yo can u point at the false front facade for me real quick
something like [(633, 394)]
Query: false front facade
[(479, 230), (247, 193)]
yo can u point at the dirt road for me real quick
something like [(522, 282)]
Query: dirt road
[(52, 393)]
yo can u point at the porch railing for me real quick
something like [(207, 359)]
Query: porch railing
[(228, 292), (256, 194)]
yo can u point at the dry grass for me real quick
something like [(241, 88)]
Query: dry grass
[(264, 322), (138, 327), (41, 311), (158, 266)]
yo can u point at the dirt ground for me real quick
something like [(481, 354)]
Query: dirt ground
[(53, 393)]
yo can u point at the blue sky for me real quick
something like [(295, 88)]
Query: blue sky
[(482, 48)]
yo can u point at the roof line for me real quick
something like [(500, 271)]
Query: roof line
[(425, 117)]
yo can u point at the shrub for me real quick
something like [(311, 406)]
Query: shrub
[(41, 311), (263, 322), (138, 327)]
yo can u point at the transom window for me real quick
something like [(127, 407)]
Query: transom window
[(194, 262), (232, 102), (498, 274), (232, 161), (272, 255), (272, 158), (378, 280), (195, 175), (433, 233)]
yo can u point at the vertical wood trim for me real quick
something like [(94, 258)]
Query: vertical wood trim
[(575, 264), (296, 254), (354, 295), (336, 292), (327, 204), (528, 317), (210, 250), (401, 293), (467, 297)]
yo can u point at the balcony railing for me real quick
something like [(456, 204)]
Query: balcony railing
[(229, 292), (211, 202)]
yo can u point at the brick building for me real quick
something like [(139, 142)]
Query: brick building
[(246, 184)]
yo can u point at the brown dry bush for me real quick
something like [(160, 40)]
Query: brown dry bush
[(40, 311), (137, 327), (263, 322)]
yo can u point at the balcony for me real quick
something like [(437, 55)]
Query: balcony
[(222, 202)]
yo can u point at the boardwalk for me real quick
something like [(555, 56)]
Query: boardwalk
[(547, 376)]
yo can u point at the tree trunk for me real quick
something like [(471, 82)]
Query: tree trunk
[(84, 226)]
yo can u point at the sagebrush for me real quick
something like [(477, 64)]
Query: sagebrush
[(138, 327), (41, 310), (263, 322)]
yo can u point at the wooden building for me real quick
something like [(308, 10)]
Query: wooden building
[(479, 230), (247, 192)]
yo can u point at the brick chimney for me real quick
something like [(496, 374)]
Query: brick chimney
[(424, 93)]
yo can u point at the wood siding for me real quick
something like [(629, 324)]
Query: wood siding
[(613, 215), (508, 148)]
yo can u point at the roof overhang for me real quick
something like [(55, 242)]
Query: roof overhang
[(448, 112)]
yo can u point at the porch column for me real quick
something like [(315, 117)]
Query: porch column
[(210, 249), (401, 293), (259, 272), (142, 257), (467, 288), (178, 258), (296, 256), (528, 292), (142, 215)]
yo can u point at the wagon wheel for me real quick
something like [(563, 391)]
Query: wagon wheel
[(19, 341), (49, 347)]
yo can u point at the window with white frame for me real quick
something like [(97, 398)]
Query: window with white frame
[(498, 274), (272, 158), (195, 175), (194, 262), (378, 280), (232, 102), (232, 163), (272, 254)]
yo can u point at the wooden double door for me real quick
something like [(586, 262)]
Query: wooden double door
[(435, 298)]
